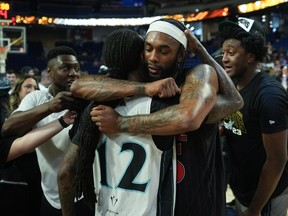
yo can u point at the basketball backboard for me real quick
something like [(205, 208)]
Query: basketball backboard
[(13, 37)]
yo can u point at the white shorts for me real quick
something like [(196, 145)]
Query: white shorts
[(278, 205)]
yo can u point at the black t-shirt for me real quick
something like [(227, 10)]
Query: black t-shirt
[(265, 110)]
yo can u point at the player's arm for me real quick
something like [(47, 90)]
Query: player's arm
[(275, 145), (197, 99), (65, 177), (103, 88), (229, 99), (37, 136)]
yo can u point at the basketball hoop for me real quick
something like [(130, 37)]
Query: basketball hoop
[(3, 56)]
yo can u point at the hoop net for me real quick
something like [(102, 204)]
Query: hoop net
[(3, 52)]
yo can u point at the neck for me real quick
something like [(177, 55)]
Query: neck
[(53, 90), (246, 79)]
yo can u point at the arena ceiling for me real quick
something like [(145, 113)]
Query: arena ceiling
[(112, 8)]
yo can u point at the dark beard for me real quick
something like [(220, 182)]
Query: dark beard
[(166, 72)]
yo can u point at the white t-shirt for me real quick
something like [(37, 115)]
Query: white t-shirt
[(42, 87), (51, 153)]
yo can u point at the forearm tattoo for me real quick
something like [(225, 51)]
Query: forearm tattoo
[(101, 88), (149, 124)]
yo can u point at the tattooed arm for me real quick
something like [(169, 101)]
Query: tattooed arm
[(197, 99), (102, 88), (229, 99), (65, 177)]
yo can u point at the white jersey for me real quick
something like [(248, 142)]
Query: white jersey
[(51, 153), (131, 170)]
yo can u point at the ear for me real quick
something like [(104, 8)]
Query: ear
[(251, 58)]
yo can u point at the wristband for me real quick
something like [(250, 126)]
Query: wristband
[(62, 122)]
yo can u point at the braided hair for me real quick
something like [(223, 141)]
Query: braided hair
[(122, 54)]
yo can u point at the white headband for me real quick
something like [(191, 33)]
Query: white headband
[(170, 29)]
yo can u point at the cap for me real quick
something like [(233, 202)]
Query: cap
[(249, 25), (4, 82)]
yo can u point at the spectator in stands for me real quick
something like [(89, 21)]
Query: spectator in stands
[(27, 70), (23, 86), (45, 80), (284, 80), (4, 98), (11, 76)]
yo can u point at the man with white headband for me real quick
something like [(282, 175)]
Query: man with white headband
[(200, 189), (169, 29)]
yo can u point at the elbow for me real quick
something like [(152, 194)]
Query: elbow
[(189, 122), (5, 131), (65, 176), (240, 103), (278, 163), (282, 161)]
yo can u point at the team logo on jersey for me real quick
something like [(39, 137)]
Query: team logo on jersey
[(179, 139), (114, 200), (180, 172), (182, 137)]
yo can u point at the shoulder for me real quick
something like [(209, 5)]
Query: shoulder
[(37, 94), (33, 99), (268, 86), (200, 69), (202, 73)]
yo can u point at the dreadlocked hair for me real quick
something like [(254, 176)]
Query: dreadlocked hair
[(122, 54), (89, 135)]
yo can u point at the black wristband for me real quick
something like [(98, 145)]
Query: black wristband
[(62, 122)]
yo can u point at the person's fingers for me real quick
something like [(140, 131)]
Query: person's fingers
[(94, 117), (99, 107)]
